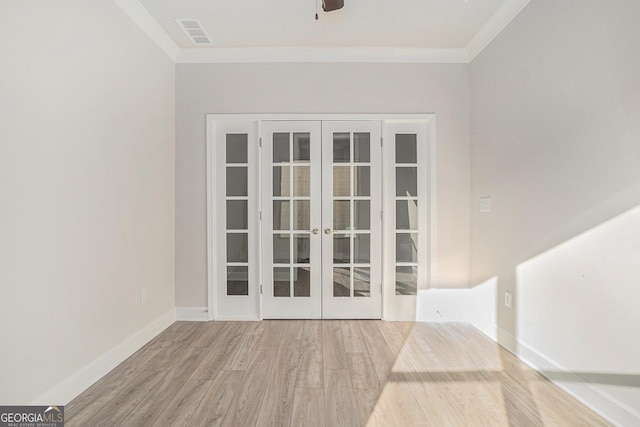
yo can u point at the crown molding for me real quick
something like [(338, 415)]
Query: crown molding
[(494, 26), (498, 22), (139, 14), (320, 54)]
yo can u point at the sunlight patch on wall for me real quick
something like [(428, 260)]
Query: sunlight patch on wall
[(577, 303)]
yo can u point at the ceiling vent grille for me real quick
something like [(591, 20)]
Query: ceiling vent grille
[(194, 30)]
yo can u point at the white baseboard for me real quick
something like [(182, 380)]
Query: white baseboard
[(192, 314), (76, 383), (201, 314), (507, 340), (590, 395), (238, 319), (477, 305)]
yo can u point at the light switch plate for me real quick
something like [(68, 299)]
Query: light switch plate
[(507, 299), (485, 204)]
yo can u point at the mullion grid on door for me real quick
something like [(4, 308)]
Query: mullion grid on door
[(293, 231), (237, 190), (358, 164), (406, 227), (352, 232)]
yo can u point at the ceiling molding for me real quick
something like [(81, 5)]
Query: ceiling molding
[(309, 54), (498, 22), (139, 14), (494, 26)]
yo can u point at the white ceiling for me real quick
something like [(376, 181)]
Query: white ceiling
[(260, 25)]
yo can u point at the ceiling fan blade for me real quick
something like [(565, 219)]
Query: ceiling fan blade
[(329, 5)]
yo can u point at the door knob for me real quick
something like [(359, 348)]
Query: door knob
[(327, 231), (315, 231)]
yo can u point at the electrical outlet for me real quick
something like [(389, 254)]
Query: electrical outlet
[(507, 299), (143, 295)]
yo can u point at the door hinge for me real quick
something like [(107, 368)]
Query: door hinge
[(381, 141), (381, 216), (260, 142), (260, 289), (260, 215)]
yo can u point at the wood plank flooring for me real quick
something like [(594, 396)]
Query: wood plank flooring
[(324, 373)]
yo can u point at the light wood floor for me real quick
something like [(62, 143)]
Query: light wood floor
[(324, 373)]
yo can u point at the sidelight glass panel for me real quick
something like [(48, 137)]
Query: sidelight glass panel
[(281, 181), (406, 148), (341, 282), (362, 248), (281, 282), (302, 281), (237, 247), (361, 148), (362, 181), (301, 215), (236, 214), (407, 247), (281, 249), (301, 248), (237, 211), (362, 215), (301, 147), (341, 148), (406, 280), (341, 181), (281, 215), (301, 181), (341, 215), (237, 181), (238, 280), (341, 248), (361, 282), (236, 148), (406, 214), (280, 147), (407, 182)]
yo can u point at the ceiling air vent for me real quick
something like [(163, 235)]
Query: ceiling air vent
[(194, 30)]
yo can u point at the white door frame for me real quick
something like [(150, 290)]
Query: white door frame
[(393, 307)]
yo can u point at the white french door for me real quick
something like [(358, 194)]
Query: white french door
[(294, 216), (291, 220), (321, 219), (352, 223)]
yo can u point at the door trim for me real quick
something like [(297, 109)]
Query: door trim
[(427, 119)]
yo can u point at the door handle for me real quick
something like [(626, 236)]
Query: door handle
[(327, 230), (316, 231)]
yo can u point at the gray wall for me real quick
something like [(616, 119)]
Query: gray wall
[(555, 123), (86, 189), (321, 88)]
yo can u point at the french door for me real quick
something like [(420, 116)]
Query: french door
[(321, 191), (295, 216)]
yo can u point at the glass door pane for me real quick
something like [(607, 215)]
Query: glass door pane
[(291, 203), (351, 188), (351, 217)]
